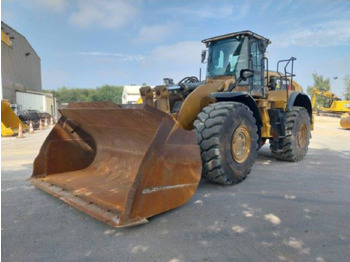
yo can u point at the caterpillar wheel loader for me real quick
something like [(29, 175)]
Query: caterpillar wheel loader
[(125, 163)]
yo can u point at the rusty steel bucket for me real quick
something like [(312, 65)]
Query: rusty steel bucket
[(120, 164)]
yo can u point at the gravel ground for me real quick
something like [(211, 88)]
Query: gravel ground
[(281, 212)]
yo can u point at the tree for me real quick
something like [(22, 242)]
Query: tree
[(104, 93), (321, 84), (65, 95), (347, 87), (107, 93)]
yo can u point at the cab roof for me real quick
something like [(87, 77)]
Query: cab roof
[(244, 33)]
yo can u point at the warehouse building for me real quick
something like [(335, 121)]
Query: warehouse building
[(20, 64), (21, 74)]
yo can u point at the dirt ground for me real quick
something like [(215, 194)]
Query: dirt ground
[(282, 212)]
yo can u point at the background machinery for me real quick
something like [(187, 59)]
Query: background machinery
[(332, 105), (125, 163)]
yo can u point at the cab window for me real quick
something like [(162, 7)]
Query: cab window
[(257, 63)]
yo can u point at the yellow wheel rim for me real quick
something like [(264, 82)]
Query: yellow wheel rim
[(302, 135), (240, 144)]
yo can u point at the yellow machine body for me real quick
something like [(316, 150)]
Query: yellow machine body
[(9, 120)]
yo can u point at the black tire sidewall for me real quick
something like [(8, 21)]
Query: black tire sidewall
[(233, 170), (302, 117)]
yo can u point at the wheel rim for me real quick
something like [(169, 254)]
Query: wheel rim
[(302, 135), (240, 144)]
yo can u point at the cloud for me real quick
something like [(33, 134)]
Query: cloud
[(266, 4), (54, 5), (334, 33), (243, 11), (174, 60), (215, 11), (54, 78), (104, 13), (47, 5), (155, 33), (283, 5), (203, 11), (187, 52), (121, 57)]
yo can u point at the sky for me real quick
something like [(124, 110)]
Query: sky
[(89, 43)]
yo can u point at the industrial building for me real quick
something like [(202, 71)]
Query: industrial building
[(21, 74)]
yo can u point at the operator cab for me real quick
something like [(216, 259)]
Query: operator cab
[(229, 54)]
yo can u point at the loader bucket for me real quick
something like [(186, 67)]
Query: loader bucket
[(345, 121), (118, 163), (9, 120)]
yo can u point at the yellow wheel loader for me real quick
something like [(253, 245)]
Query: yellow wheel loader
[(125, 163)]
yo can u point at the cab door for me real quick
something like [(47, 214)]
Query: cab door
[(257, 65)]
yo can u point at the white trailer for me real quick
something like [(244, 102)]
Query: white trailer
[(131, 94)]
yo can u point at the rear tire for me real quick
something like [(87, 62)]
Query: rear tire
[(298, 134), (227, 136)]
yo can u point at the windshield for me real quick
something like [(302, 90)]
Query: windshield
[(227, 57)]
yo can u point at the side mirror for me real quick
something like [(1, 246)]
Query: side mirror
[(204, 55), (245, 74)]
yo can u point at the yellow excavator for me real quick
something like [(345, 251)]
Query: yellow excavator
[(332, 105), (125, 163)]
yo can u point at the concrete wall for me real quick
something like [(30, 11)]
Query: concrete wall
[(51, 105), (20, 65), (30, 101)]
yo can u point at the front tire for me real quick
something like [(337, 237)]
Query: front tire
[(227, 136), (298, 134)]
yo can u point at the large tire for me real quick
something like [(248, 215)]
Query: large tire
[(227, 136), (298, 134), (30, 115)]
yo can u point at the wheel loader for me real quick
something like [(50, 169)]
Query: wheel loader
[(125, 163)]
